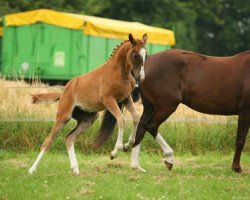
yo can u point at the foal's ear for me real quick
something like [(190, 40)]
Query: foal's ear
[(131, 39), (145, 38)]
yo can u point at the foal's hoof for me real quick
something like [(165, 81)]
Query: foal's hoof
[(75, 171), (237, 169), (126, 147), (32, 170), (169, 165), (139, 169), (112, 157)]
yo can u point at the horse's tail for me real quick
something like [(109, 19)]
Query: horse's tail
[(38, 98), (107, 127), (109, 121)]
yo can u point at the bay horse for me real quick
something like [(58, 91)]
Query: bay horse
[(103, 88), (211, 85)]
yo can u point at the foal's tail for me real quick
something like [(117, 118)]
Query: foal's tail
[(107, 128), (38, 98), (109, 121)]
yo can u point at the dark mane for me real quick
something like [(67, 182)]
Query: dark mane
[(116, 49)]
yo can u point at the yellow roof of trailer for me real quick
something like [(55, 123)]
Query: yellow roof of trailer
[(120, 29), (1, 28), (92, 25), (43, 15)]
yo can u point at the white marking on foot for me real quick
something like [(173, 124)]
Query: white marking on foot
[(135, 159), (126, 146), (168, 151), (131, 138), (119, 144), (34, 166), (72, 159)]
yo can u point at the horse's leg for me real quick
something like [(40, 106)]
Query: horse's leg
[(84, 121), (63, 116), (152, 125), (129, 104), (243, 127), (159, 117), (140, 133), (111, 104), (167, 150)]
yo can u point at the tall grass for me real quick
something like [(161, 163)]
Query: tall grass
[(183, 137), (15, 100), (195, 137)]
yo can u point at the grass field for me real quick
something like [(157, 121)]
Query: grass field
[(203, 150), (26, 135), (206, 177)]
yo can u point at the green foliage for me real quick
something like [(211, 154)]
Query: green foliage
[(223, 26), (214, 27)]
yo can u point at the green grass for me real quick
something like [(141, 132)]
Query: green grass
[(193, 177), (202, 170)]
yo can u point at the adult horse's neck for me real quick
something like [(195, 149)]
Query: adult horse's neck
[(119, 60)]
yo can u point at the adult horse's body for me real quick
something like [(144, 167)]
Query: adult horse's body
[(84, 96), (212, 85)]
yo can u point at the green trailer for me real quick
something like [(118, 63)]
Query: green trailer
[(53, 45), (1, 41)]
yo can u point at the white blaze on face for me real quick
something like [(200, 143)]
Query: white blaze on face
[(143, 54)]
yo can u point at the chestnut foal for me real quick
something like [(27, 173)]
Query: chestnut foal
[(84, 96)]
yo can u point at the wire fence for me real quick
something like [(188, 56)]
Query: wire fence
[(173, 120)]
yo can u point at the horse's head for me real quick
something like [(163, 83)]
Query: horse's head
[(138, 56)]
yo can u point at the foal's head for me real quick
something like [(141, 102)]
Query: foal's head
[(137, 55)]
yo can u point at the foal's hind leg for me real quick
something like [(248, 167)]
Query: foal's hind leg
[(243, 127), (84, 121), (63, 115), (129, 104), (46, 144)]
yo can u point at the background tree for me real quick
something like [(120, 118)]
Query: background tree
[(214, 27)]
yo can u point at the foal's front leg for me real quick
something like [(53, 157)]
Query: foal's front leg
[(129, 104), (111, 104)]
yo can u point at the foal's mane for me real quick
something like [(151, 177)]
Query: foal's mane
[(116, 49)]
